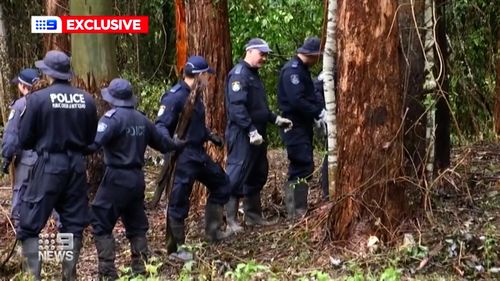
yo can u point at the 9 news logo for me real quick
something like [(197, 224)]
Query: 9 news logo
[(46, 24)]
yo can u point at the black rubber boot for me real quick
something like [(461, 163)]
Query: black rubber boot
[(301, 193), (105, 245), (213, 223), (232, 215), (177, 231), (69, 264), (31, 263), (253, 211), (140, 254)]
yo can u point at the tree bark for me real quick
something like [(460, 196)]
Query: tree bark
[(181, 45), (369, 198), (208, 36), (497, 87), (57, 41), (94, 64)]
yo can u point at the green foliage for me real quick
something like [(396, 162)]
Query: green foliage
[(186, 272), (316, 275), (249, 271), (152, 267), (472, 28)]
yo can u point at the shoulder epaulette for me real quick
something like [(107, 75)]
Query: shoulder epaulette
[(175, 88), (295, 64), (238, 69), (110, 113)]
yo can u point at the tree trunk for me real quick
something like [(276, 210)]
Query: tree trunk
[(497, 87), (370, 200), (208, 32), (412, 61), (56, 41), (181, 45), (443, 141), (329, 88), (94, 64), (5, 71)]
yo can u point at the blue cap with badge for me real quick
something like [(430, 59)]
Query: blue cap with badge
[(259, 44), (27, 76), (311, 46), (197, 65)]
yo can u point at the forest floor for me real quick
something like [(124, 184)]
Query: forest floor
[(458, 240)]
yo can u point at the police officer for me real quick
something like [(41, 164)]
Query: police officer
[(193, 162), (24, 159), (298, 102), (124, 133), (248, 115), (58, 123)]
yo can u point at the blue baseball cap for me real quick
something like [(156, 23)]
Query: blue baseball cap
[(311, 46), (259, 44), (119, 93), (27, 76), (197, 65), (56, 64)]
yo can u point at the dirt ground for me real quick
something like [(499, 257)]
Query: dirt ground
[(458, 240)]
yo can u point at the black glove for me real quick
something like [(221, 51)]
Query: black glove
[(5, 166), (215, 139)]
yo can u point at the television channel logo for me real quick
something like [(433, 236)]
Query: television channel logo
[(46, 24)]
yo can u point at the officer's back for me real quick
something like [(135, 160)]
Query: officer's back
[(60, 117)]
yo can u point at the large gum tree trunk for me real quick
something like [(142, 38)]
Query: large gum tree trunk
[(57, 41), (370, 200), (94, 64), (208, 36)]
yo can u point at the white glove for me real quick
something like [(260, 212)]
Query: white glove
[(320, 122), (255, 138), (285, 123), (322, 116), (320, 126)]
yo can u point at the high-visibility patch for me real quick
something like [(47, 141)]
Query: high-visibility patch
[(12, 113), (161, 110), (101, 127), (236, 86)]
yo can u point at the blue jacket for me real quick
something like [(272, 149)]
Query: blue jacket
[(296, 96), (172, 104), (124, 133), (58, 118), (246, 100)]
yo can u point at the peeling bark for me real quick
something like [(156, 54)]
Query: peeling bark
[(370, 200)]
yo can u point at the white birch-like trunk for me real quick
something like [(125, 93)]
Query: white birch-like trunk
[(329, 88), (430, 88)]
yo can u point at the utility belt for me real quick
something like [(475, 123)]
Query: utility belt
[(124, 167), (70, 153)]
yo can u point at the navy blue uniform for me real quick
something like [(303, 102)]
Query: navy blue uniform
[(193, 162), (248, 110), (124, 133), (298, 102), (58, 123), (320, 95), (24, 159)]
